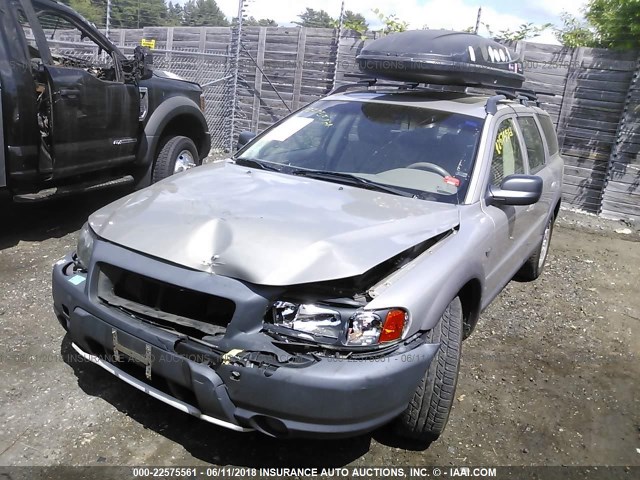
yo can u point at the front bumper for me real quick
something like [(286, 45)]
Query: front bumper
[(329, 397)]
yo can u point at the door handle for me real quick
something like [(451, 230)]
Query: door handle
[(69, 92)]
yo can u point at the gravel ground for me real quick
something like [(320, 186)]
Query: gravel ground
[(549, 377)]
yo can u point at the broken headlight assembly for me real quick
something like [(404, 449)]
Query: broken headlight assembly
[(344, 326), (84, 248)]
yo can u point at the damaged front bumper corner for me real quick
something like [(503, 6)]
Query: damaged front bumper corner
[(239, 389)]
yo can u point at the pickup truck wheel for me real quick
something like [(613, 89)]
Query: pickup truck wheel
[(534, 265), (428, 412), (177, 155)]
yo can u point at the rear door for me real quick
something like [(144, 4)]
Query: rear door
[(537, 154), (92, 115)]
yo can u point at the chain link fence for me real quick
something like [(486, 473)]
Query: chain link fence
[(210, 69)]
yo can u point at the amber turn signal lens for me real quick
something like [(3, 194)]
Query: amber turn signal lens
[(393, 325)]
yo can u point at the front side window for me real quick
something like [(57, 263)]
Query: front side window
[(533, 143), (507, 155), (70, 44), (424, 153)]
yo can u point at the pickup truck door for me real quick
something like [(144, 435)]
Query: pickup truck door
[(93, 117), (94, 122), (512, 224)]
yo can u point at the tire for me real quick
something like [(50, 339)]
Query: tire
[(533, 267), (428, 412), (177, 154)]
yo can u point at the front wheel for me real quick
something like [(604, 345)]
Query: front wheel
[(428, 412), (177, 155), (532, 268)]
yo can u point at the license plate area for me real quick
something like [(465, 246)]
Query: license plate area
[(119, 350)]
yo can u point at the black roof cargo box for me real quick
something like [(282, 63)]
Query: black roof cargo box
[(441, 57)]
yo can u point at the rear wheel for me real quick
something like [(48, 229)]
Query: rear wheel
[(177, 155), (428, 412), (534, 265)]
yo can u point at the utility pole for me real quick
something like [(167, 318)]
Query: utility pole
[(108, 17), (478, 20), (234, 64), (338, 34)]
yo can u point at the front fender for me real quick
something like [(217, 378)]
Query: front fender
[(430, 282), (156, 124)]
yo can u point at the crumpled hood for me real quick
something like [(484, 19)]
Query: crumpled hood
[(269, 228)]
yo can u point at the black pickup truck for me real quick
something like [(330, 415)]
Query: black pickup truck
[(80, 118)]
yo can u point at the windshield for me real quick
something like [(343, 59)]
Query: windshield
[(425, 153)]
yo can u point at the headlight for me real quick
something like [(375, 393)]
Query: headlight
[(85, 245), (372, 328), (308, 318), (341, 325)]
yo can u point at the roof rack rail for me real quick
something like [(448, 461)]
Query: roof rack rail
[(522, 95), (491, 107), (426, 87), (370, 82)]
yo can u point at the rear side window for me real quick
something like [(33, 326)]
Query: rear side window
[(507, 156), (533, 142), (549, 133)]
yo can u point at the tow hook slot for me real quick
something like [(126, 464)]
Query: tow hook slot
[(146, 359)]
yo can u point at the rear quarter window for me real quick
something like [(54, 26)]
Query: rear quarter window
[(549, 133)]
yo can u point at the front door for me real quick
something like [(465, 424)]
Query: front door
[(88, 115), (94, 122)]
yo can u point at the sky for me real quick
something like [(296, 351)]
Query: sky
[(451, 14)]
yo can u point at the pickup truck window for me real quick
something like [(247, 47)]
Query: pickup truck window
[(533, 142), (59, 30), (507, 155)]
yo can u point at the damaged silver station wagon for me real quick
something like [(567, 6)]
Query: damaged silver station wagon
[(320, 283)]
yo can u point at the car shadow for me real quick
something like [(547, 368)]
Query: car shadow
[(54, 218), (205, 441)]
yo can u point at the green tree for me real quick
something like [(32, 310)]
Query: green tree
[(616, 22), (92, 11), (355, 21), (392, 24), (315, 18), (175, 14), (203, 12), (523, 32), (252, 22), (575, 32)]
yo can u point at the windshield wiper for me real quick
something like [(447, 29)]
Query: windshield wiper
[(351, 179), (252, 162)]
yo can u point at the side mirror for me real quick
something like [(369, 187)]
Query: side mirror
[(517, 190), (144, 60), (244, 138)]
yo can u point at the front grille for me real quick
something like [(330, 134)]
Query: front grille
[(164, 302)]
